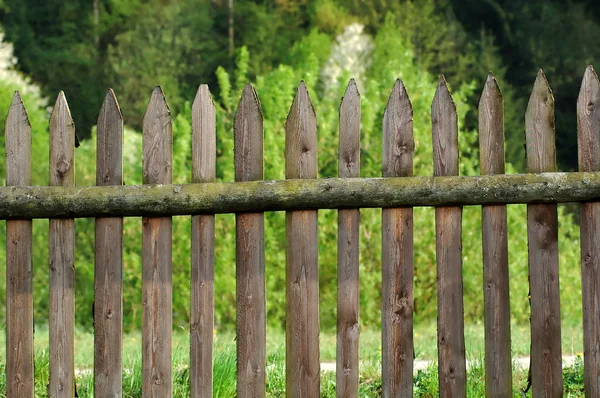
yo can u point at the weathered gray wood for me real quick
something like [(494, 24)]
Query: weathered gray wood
[(542, 237), (302, 268), (348, 223), (448, 226), (588, 128), (19, 269), (397, 270), (331, 193), (156, 254), (62, 256), (250, 253), (498, 367), (108, 275), (204, 152)]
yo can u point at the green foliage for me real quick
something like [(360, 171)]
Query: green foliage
[(390, 57), (330, 17), (573, 379), (160, 48), (425, 381)]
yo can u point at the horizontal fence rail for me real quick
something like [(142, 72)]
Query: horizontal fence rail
[(330, 193)]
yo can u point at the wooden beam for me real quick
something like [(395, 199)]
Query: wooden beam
[(331, 193)]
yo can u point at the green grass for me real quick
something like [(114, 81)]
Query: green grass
[(425, 383)]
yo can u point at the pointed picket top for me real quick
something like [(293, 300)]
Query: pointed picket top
[(588, 121), (110, 106), (157, 105), (18, 143), (301, 137), (157, 140), (444, 131), (248, 137), (491, 128), (539, 127), (204, 141), (398, 140), (349, 139), (17, 117), (61, 114), (109, 142), (62, 144), (17, 111)]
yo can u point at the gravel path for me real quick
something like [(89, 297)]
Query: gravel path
[(419, 364)]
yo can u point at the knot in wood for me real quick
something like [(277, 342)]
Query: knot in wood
[(62, 167)]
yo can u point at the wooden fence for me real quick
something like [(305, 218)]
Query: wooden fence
[(301, 196)]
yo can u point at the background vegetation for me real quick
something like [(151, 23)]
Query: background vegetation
[(131, 45)]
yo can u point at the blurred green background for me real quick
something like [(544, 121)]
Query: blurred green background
[(131, 45)]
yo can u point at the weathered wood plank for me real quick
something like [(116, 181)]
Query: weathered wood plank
[(448, 226), (348, 250), (108, 275), (62, 256), (498, 367), (302, 268), (156, 254), (204, 152), (542, 237), (250, 253), (327, 193), (397, 349), (588, 128), (19, 268)]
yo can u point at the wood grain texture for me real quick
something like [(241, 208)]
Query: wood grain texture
[(108, 275), (448, 226), (348, 250), (326, 193), (19, 268), (250, 253), (498, 366), (62, 256), (588, 128), (397, 348), (156, 254), (542, 237), (302, 268), (445, 132), (204, 152)]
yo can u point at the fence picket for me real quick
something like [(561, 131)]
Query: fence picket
[(157, 254), (348, 252), (62, 256), (302, 268), (397, 349), (108, 275), (250, 253), (19, 271), (498, 367), (448, 226), (204, 152), (542, 237), (588, 128)]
